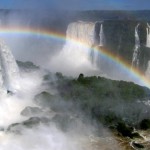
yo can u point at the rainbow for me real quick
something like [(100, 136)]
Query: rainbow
[(133, 72), (14, 31)]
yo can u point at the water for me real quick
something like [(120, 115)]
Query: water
[(75, 55), (9, 68), (135, 58), (82, 32), (148, 36), (101, 34), (44, 137)]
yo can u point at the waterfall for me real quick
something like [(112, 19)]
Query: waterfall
[(82, 32), (76, 53), (101, 35), (9, 69), (2, 86), (147, 72), (79, 40), (148, 36), (135, 58)]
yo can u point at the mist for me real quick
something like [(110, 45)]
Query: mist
[(36, 117), (54, 126), (49, 53), (27, 124)]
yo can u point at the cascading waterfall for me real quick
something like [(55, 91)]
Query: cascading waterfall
[(148, 36), (82, 32), (98, 41), (76, 52), (101, 35), (2, 86), (147, 72), (135, 58), (9, 69)]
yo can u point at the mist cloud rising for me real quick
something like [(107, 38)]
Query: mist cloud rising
[(53, 56), (78, 135)]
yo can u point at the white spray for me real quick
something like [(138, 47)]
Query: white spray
[(75, 56), (148, 36), (9, 69), (135, 58), (101, 35)]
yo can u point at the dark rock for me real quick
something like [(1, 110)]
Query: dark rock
[(31, 111), (137, 145), (15, 128), (63, 121), (45, 120), (27, 65), (51, 102), (2, 128), (59, 75), (33, 121), (30, 123), (44, 99), (137, 135), (145, 124), (125, 130)]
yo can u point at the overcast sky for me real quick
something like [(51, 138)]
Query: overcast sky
[(76, 4)]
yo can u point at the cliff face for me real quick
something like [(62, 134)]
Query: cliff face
[(121, 39), (128, 39), (124, 37)]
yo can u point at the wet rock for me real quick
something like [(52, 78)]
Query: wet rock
[(125, 130), (44, 99), (18, 127), (137, 135), (137, 145), (30, 123), (33, 121), (145, 124), (2, 128), (31, 111), (15, 128), (63, 121), (27, 65)]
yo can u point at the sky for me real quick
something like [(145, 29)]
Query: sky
[(76, 4)]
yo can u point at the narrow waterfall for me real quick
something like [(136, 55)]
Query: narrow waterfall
[(136, 52), (147, 72), (2, 86), (148, 36), (9, 69), (101, 35)]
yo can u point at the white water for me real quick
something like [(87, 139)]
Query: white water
[(148, 36), (9, 71), (135, 58), (147, 72), (82, 32), (44, 137), (75, 55), (2, 87), (101, 34)]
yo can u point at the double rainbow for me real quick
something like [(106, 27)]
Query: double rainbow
[(13, 31)]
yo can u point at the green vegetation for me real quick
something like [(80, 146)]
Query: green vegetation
[(98, 89), (107, 101), (118, 105)]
